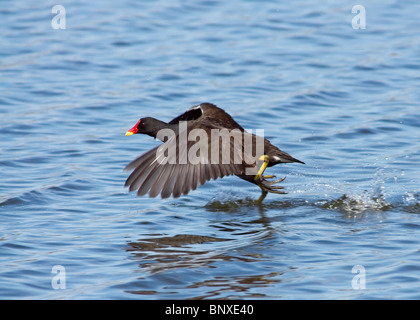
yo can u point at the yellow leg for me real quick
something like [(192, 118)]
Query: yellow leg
[(262, 168)]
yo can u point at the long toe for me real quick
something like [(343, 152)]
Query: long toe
[(270, 183), (270, 176), (276, 187), (272, 189), (278, 192)]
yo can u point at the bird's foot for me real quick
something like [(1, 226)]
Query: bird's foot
[(270, 183), (267, 186)]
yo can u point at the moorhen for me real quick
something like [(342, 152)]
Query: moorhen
[(181, 163)]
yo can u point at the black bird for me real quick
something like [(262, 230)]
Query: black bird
[(182, 162)]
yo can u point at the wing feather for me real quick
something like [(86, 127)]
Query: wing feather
[(174, 178)]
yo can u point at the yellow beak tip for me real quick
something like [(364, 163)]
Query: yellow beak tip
[(129, 133)]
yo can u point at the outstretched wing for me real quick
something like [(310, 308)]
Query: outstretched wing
[(177, 166)]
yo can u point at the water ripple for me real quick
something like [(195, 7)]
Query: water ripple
[(342, 100)]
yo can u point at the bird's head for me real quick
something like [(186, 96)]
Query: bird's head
[(149, 126)]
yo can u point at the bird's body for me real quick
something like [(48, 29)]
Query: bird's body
[(183, 161)]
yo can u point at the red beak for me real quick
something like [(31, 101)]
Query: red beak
[(133, 130)]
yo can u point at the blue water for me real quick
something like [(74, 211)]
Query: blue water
[(345, 101)]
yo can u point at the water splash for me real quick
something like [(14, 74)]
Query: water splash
[(356, 204), (411, 202), (352, 202)]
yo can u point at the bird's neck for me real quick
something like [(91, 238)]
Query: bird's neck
[(158, 126)]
